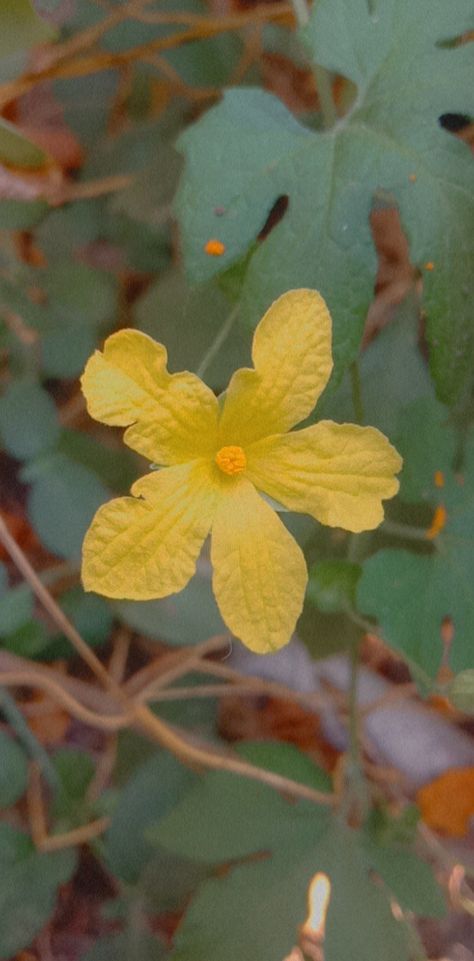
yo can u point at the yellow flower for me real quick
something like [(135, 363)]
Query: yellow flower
[(217, 460)]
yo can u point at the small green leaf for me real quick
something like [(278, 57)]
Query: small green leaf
[(29, 884), (21, 27), (461, 691), (79, 294), (75, 770), (90, 614), (427, 442), (16, 149), (185, 618), (28, 420), (13, 771), (412, 595), (409, 879), (152, 791), (332, 585), (187, 320), (62, 501), (16, 604)]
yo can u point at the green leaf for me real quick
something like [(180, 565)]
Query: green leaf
[(16, 149), (461, 691), (29, 884), (185, 618), (16, 604), (78, 294), (62, 501), (152, 791), (187, 320), (427, 442), (13, 771), (238, 818), (21, 215), (135, 944), (90, 614), (225, 817), (28, 420), (411, 595), (249, 151), (394, 357), (75, 770), (332, 585), (409, 879)]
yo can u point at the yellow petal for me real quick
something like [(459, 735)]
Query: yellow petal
[(292, 359), (142, 549), (338, 473), (173, 417), (259, 572)]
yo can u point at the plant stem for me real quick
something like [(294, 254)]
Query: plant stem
[(26, 736), (326, 100), (356, 392), (218, 341), (405, 531)]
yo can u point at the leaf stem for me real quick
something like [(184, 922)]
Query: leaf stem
[(34, 748), (326, 99), (356, 390), (405, 531), (218, 341)]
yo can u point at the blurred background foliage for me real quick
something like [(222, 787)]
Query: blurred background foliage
[(119, 161)]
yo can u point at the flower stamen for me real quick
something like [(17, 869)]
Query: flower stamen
[(231, 460)]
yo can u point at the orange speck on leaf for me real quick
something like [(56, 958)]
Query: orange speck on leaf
[(439, 478), (412, 178), (430, 265), (438, 523), (447, 803), (214, 248)]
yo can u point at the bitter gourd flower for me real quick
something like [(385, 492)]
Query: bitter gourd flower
[(217, 459)]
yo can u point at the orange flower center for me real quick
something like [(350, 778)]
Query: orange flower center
[(231, 460)]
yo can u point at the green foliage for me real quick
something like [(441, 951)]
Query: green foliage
[(229, 856), (185, 618), (332, 585), (152, 791), (13, 771), (250, 150), (228, 819), (28, 421), (29, 884), (62, 500), (412, 595)]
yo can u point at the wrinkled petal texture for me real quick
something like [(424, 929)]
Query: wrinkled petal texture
[(260, 574), (338, 473), (171, 418), (143, 549), (292, 359)]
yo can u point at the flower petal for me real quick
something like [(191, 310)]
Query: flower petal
[(259, 572), (338, 473), (173, 417), (292, 358), (142, 549)]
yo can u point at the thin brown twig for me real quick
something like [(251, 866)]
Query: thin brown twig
[(39, 829), (105, 722), (160, 731), (204, 28)]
